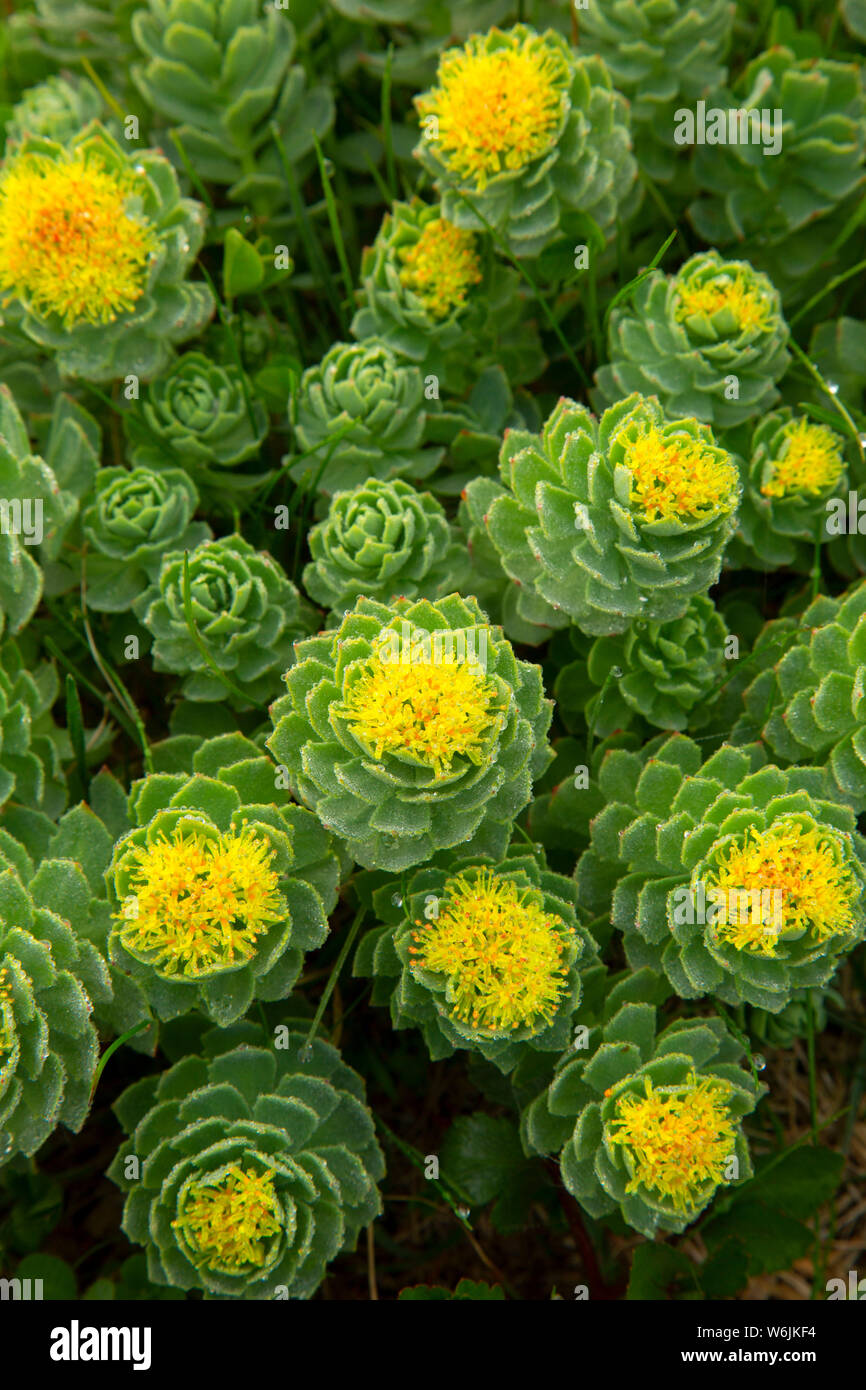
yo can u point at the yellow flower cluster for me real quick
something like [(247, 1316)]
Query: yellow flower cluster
[(816, 892), (496, 109), (198, 904), (227, 1223), (675, 477), (68, 245), (676, 1141), (810, 461), (501, 951), (441, 267), (427, 712), (747, 304)]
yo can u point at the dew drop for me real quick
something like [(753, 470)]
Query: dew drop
[(759, 1061), (397, 900), (833, 388), (616, 672)]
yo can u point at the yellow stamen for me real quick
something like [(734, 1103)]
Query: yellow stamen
[(502, 952), (227, 1224), (440, 267), (750, 306), (675, 477), (676, 1141), (779, 881), (5, 1015), (68, 246), (200, 903), (810, 461), (496, 109), (424, 711)]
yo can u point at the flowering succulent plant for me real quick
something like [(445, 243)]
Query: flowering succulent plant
[(95, 244), (410, 728), (433, 294), (710, 341), (481, 955), (555, 141), (649, 1122), (276, 1171), (790, 467), (218, 889), (603, 522), (739, 880), (56, 108)]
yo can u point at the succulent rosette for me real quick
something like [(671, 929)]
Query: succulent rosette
[(810, 704), (40, 498), (740, 881), (481, 955), (383, 540), (220, 886), (258, 1165), (135, 515), (246, 610), (554, 144), (48, 1044), (649, 1122), (661, 54), (776, 207), (710, 342), (790, 466), (604, 522), (196, 416), (96, 244), (32, 748), (222, 74), (359, 414), (412, 728), (433, 293), (662, 672), (56, 108)]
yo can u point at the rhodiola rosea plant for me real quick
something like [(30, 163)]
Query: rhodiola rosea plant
[(432, 649)]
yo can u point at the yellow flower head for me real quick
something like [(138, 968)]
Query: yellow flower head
[(810, 461), (676, 1140), (501, 951), (226, 1224), (749, 306), (427, 711), (496, 108), (68, 245), (677, 478), (440, 267), (786, 879), (197, 905)]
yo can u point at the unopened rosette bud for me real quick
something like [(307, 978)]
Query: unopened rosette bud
[(709, 341)]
